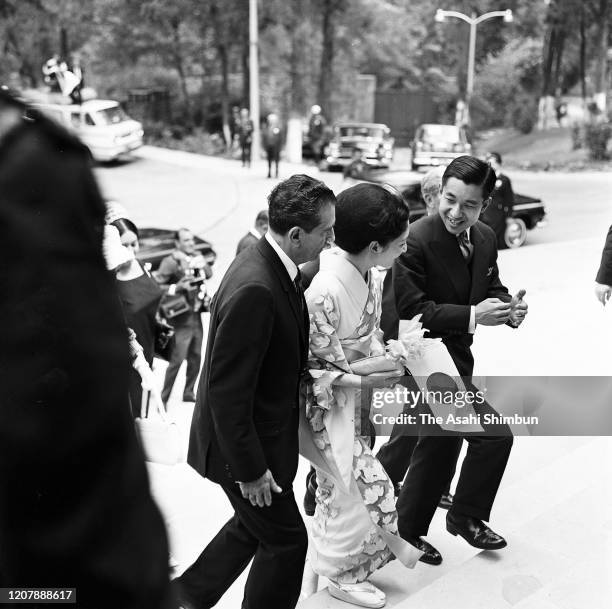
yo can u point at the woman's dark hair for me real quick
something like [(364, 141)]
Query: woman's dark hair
[(124, 225), (297, 201), (369, 212), (471, 170)]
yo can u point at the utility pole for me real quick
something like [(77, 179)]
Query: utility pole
[(254, 77)]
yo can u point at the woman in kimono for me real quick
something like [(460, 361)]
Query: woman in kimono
[(354, 529)]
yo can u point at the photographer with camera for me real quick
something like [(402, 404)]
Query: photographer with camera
[(183, 274)]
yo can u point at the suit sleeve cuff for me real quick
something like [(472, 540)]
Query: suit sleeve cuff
[(472, 326)]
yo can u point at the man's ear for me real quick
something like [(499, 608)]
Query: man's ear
[(375, 247), (485, 204), (295, 235)]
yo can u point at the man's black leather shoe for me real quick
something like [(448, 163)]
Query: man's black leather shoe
[(431, 556), (475, 532), (189, 397), (446, 501)]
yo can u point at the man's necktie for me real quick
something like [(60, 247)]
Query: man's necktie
[(297, 282), (467, 249)]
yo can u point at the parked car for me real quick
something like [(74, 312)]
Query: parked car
[(438, 145), (101, 124), (157, 243), (527, 212), (373, 138)]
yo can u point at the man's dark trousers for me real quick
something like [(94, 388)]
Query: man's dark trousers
[(273, 537), (188, 337), (478, 483)]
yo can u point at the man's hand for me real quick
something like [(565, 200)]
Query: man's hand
[(492, 312), (184, 284), (518, 309), (259, 492), (603, 292)]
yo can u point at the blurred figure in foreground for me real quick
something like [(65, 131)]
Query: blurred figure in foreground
[(273, 141), (255, 233), (75, 508), (603, 282)]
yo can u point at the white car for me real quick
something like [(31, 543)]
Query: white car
[(101, 124)]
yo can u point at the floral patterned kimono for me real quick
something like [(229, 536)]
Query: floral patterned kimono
[(354, 530)]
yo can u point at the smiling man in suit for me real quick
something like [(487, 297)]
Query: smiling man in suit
[(449, 275), (244, 433)]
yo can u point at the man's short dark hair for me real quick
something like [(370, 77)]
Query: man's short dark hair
[(471, 170), (496, 156), (297, 201), (369, 212), (262, 217)]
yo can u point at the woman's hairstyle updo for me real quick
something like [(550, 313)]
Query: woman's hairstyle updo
[(369, 212)]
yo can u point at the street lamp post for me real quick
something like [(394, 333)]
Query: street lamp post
[(473, 22), (254, 77)]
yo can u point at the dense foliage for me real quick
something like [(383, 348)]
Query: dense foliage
[(311, 51)]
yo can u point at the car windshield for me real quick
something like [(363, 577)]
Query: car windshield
[(360, 131), (441, 133), (110, 116)]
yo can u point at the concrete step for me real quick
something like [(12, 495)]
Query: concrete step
[(553, 510)]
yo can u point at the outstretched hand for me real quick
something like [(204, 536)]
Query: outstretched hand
[(259, 492), (518, 309)]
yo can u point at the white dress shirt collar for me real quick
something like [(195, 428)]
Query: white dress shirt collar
[(292, 269)]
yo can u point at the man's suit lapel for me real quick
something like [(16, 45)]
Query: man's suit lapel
[(288, 286), (479, 264), (446, 248)]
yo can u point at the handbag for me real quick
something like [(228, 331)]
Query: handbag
[(159, 436), (164, 339), (173, 306)]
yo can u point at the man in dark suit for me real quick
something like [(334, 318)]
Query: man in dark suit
[(256, 233), (75, 507), (185, 272), (502, 201), (272, 138), (449, 275), (603, 282), (244, 429)]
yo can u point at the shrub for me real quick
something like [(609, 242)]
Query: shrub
[(523, 114), (596, 137)]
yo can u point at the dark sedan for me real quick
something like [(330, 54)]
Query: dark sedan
[(157, 243), (373, 139), (527, 212)]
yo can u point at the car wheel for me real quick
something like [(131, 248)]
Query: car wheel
[(516, 233)]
